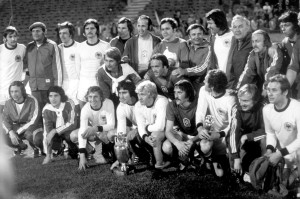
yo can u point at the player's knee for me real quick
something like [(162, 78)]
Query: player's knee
[(28, 135), (111, 135), (38, 139), (74, 136), (160, 136), (167, 147), (206, 146)]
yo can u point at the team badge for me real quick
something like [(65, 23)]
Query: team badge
[(18, 58), (227, 42), (186, 122), (98, 55), (288, 126), (72, 57), (103, 119), (221, 112), (164, 89)]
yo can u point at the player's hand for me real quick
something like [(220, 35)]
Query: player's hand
[(182, 148), (275, 157), (243, 139), (268, 152), (179, 72), (114, 165), (82, 162), (237, 166), (14, 137), (151, 140), (89, 132), (214, 136), (203, 133)]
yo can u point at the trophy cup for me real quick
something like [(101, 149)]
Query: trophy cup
[(122, 154), (206, 145)]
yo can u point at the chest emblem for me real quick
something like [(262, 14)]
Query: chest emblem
[(98, 55), (186, 122), (18, 58), (288, 126), (72, 57)]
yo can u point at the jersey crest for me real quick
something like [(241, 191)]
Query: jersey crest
[(227, 42), (18, 58), (186, 122), (164, 89), (98, 55), (72, 57), (288, 126)]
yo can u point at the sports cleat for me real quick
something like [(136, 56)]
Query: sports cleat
[(36, 153)]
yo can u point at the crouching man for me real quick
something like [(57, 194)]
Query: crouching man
[(97, 122), (21, 119), (282, 123), (60, 119), (181, 139), (150, 114)]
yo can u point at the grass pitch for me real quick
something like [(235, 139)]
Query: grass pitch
[(61, 179)]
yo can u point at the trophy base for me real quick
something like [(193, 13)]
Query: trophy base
[(118, 172)]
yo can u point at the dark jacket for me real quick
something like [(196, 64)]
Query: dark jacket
[(130, 54)]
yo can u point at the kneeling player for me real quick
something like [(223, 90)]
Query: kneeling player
[(97, 122), (60, 119), (21, 119), (181, 112)]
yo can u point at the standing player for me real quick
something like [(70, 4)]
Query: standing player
[(221, 37), (97, 122), (11, 62), (89, 58), (125, 29), (60, 119), (139, 48), (173, 47), (22, 119), (68, 49), (282, 121), (214, 99), (42, 59)]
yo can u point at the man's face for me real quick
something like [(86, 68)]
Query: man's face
[(239, 29), (212, 26), (206, 84), (90, 31), (38, 34), (123, 31), (180, 96), (11, 39), (144, 97), (246, 101), (258, 43), (196, 36), (16, 94), (275, 95), (95, 100), (124, 96), (167, 31), (110, 63), (55, 99), (287, 29), (142, 27), (157, 67), (64, 35)]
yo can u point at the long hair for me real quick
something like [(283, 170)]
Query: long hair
[(92, 21), (60, 91), (219, 17), (188, 88), (20, 85)]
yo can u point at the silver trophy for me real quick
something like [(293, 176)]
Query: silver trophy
[(122, 154), (206, 145), (208, 122)]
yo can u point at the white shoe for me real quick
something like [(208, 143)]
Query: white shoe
[(246, 178)]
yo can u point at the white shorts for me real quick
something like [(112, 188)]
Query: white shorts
[(71, 88), (291, 160), (84, 85)]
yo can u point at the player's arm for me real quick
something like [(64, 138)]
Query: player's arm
[(200, 69), (71, 124), (249, 71), (110, 116), (277, 59), (160, 121), (56, 66), (293, 67)]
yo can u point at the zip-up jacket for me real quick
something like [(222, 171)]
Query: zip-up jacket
[(43, 64), (28, 117)]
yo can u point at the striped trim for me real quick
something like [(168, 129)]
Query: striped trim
[(259, 137), (232, 137), (58, 63), (199, 69), (71, 119), (33, 118)]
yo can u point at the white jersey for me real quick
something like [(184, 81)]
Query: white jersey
[(104, 117), (220, 108), (282, 126), (222, 46), (11, 66), (125, 111), (70, 74), (89, 58), (154, 117)]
